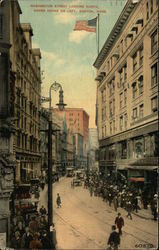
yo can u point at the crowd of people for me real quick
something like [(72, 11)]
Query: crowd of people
[(30, 231), (118, 193)]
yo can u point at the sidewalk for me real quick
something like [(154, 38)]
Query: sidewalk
[(144, 213)]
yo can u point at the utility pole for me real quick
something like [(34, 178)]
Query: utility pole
[(55, 86)]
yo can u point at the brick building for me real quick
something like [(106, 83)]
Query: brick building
[(77, 121)]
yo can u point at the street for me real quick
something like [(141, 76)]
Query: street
[(84, 222)]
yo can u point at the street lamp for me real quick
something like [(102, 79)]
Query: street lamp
[(55, 86)]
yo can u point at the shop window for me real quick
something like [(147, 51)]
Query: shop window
[(156, 150), (154, 42), (139, 148), (124, 150), (154, 104)]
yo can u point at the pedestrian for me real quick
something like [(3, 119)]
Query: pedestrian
[(53, 235), (129, 209), (114, 239), (115, 202), (33, 225), (110, 199), (43, 210), (35, 243), (58, 201), (20, 228), (45, 241), (26, 239), (155, 212), (136, 204), (16, 241), (119, 222), (91, 190), (42, 223)]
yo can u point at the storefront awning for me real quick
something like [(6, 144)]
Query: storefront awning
[(148, 168), (137, 179)]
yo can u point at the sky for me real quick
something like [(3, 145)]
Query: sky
[(68, 55)]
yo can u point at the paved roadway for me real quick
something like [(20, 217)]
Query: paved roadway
[(84, 222)]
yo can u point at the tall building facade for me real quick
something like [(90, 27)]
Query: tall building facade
[(127, 95), (20, 86), (19, 105), (93, 147), (44, 121), (7, 155), (77, 121), (62, 143), (27, 90)]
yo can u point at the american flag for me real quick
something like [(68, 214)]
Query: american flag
[(89, 25)]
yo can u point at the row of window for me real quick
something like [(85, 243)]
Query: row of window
[(137, 89), (137, 58), (27, 143), (22, 82), (150, 7), (137, 113), (22, 123), (140, 147), (154, 74)]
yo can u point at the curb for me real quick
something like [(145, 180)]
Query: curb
[(143, 217)]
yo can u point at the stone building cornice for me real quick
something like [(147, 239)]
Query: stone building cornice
[(114, 33)]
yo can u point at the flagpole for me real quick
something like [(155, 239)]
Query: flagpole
[(98, 34)]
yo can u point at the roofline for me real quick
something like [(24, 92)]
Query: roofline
[(27, 27), (67, 109), (128, 8), (18, 6)]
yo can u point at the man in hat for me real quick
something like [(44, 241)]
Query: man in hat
[(119, 222), (114, 239)]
